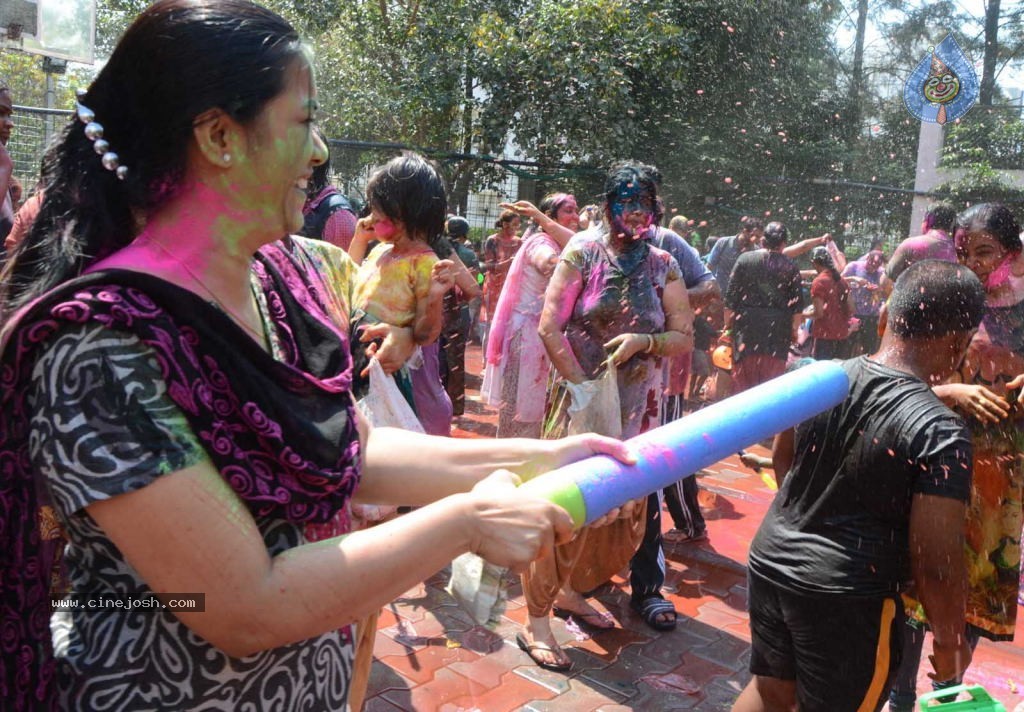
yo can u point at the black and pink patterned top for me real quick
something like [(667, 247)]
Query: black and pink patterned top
[(118, 381)]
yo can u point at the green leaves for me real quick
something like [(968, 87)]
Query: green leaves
[(741, 103)]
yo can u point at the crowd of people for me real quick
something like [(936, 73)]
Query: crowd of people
[(191, 310)]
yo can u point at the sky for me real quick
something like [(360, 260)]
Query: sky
[(1011, 79)]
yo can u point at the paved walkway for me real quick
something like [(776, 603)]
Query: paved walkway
[(429, 655)]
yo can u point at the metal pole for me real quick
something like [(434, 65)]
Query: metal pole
[(929, 155), (48, 122)]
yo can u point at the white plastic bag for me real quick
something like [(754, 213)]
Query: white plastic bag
[(479, 587), (595, 405), (384, 405)]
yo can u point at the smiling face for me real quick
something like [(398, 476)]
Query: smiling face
[(567, 214), (510, 228), (984, 255), (281, 150), (942, 89)]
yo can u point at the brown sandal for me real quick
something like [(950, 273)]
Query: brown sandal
[(532, 648), (594, 619)]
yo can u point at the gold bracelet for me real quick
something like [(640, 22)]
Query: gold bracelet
[(650, 343)]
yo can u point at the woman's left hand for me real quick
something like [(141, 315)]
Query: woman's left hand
[(1013, 389), (624, 512), (625, 346)]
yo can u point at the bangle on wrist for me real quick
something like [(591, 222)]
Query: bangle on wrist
[(650, 344)]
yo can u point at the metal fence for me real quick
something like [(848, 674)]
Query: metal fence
[(33, 129), (478, 183)]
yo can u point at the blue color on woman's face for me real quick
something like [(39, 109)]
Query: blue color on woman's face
[(631, 197)]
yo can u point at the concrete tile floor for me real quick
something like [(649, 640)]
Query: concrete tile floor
[(430, 655)]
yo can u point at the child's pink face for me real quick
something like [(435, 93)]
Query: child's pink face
[(384, 228)]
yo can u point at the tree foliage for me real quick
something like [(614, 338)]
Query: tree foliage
[(747, 107), (980, 183), (719, 95), (23, 74), (992, 137)]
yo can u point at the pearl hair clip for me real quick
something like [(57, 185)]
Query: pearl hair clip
[(94, 132)]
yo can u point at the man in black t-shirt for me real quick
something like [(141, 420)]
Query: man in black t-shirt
[(874, 497), (763, 305)]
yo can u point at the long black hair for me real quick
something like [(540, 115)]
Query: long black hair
[(177, 61)]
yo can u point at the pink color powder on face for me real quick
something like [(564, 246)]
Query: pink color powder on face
[(384, 229), (1001, 274)]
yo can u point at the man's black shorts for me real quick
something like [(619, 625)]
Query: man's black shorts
[(843, 651)]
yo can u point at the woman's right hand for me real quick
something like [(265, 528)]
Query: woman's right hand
[(523, 208), (976, 401), (512, 528), (625, 346)]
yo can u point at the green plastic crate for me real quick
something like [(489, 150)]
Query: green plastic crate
[(980, 700)]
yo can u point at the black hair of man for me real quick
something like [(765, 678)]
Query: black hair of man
[(934, 298), (941, 216), (749, 224), (775, 235), (820, 256), (458, 226)]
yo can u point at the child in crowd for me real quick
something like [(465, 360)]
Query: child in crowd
[(401, 281)]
